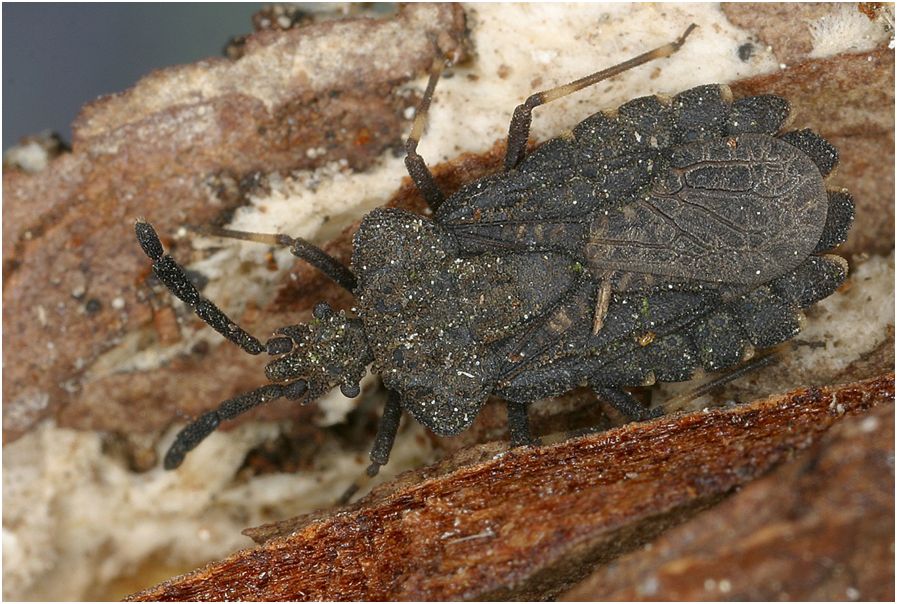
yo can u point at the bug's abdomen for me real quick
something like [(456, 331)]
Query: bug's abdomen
[(739, 210), (667, 333)]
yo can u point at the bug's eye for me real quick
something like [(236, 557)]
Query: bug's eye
[(350, 390), (322, 311), (295, 390), (279, 345)]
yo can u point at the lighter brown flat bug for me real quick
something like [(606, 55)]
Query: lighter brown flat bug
[(671, 235)]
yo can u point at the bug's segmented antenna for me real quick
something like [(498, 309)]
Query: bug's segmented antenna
[(175, 279), (196, 431), (299, 247)]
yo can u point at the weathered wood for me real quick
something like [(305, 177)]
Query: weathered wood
[(820, 527), (530, 522)]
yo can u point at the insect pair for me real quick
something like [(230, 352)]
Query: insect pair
[(670, 235)]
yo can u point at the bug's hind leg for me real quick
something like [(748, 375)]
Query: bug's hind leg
[(518, 131), (623, 402), (679, 401), (196, 431), (518, 425), (415, 164), (301, 248), (172, 275), (383, 443)]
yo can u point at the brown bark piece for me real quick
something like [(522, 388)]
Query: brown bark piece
[(821, 527), (174, 148), (531, 522), (783, 26), (849, 100), (874, 362)]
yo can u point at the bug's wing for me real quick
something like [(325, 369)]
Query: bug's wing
[(696, 187), (739, 211), (545, 205)]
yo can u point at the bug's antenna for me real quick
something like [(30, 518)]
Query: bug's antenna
[(299, 247), (196, 431), (175, 279)]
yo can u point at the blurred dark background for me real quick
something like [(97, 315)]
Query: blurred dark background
[(57, 57)]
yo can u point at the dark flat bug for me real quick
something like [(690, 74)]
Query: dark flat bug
[(670, 235)]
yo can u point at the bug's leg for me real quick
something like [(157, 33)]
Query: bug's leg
[(601, 305), (518, 131), (758, 362), (386, 434), (383, 443), (196, 431), (623, 402), (415, 164), (518, 425), (305, 250), (172, 275)]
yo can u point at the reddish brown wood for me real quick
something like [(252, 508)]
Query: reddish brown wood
[(820, 527), (530, 522)]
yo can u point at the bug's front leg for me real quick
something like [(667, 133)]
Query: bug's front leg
[(382, 447)]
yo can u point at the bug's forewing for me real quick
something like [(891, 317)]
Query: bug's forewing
[(738, 211)]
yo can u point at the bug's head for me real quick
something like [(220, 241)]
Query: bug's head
[(331, 350)]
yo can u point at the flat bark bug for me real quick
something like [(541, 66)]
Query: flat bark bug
[(671, 235)]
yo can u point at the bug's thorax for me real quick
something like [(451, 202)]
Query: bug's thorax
[(433, 317), (331, 350), (417, 320)]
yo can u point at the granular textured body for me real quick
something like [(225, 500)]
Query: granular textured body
[(706, 225), (668, 236)]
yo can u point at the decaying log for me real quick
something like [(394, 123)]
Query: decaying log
[(820, 527), (189, 145), (526, 523)]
